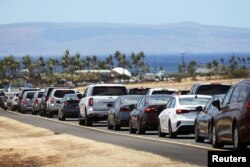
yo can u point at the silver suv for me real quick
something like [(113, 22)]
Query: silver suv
[(26, 103), (93, 105), (53, 102)]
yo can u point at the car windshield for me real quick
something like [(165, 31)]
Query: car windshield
[(213, 89), (193, 101), (157, 100), (71, 97), (61, 93), (130, 100), (109, 90)]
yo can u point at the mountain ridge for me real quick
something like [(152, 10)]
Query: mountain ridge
[(48, 38)]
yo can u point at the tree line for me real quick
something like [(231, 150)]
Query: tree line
[(236, 67), (42, 70)]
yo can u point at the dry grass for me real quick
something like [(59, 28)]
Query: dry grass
[(186, 84), (25, 145)]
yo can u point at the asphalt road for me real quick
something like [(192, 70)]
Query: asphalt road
[(182, 149)]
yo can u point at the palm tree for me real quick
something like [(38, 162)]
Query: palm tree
[(109, 61), (192, 68), (209, 66), (65, 62)]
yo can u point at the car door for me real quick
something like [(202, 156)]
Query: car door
[(136, 110), (165, 115), (114, 110), (222, 116), (203, 118)]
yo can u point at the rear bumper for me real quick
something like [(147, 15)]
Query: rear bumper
[(73, 113)]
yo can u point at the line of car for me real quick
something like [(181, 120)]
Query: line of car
[(217, 112)]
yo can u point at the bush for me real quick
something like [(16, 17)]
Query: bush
[(239, 73)]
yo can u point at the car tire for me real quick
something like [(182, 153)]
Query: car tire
[(88, 121), (236, 139), (140, 130), (81, 120), (160, 133), (116, 127), (215, 142), (171, 134), (109, 126), (131, 130), (197, 137)]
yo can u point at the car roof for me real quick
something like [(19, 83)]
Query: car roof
[(245, 82), (183, 96)]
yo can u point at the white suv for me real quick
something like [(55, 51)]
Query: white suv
[(93, 105), (154, 91)]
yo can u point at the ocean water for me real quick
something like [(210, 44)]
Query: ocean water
[(170, 62)]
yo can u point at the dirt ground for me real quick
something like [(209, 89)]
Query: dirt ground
[(23, 145)]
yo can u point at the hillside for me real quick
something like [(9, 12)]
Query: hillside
[(104, 38)]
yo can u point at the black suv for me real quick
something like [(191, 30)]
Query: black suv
[(209, 88)]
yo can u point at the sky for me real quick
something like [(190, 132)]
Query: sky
[(233, 13)]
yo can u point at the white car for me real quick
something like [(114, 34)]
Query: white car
[(180, 114)]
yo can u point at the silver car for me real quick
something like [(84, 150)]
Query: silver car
[(54, 100), (14, 102), (36, 102), (26, 102)]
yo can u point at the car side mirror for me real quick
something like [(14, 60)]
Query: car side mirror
[(199, 108), (109, 105), (216, 103)]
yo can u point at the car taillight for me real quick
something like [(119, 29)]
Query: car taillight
[(66, 103), (181, 111), (248, 105), (124, 109), (36, 101), (150, 109), (91, 102), (24, 101), (52, 100)]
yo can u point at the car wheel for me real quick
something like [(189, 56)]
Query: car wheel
[(116, 127), (62, 116), (215, 142), (197, 137), (81, 120), (108, 125), (88, 121), (236, 139), (131, 130), (160, 133), (171, 134), (41, 113), (12, 108), (49, 114), (140, 129)]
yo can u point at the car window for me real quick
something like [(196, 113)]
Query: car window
[(130, 100), (40, 94), (207, 107), (30, 95), (227, 97), (213, 89), (61, 93), (151, 100), (140, 103), (235, 94), (193, 101), (109, 90), (169, 103), (169, 92), (172, 104), (243, 93)]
